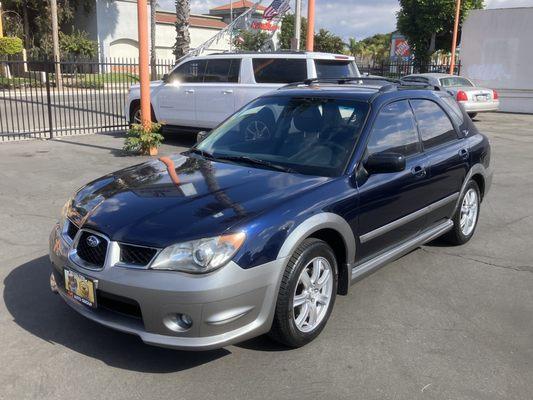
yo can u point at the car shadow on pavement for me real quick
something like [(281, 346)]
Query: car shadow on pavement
[(36, 309)]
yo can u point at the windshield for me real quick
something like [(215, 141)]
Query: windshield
[(455, 81), (313, 136), (335, 69)]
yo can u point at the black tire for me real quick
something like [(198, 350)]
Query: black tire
[(472, 115), (284, 329), (135, 109), (456, 236)]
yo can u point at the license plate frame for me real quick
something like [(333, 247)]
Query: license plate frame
[(482, 97), (80, 288)]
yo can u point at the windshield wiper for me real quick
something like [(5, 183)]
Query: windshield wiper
[(203, 153), (256, 161)]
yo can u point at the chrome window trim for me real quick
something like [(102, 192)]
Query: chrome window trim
[(408, 218)]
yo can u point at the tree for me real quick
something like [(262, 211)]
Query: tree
[(251, 41), (77, 44), (428, 25), (327, 42), (287, 32), (183, 39)]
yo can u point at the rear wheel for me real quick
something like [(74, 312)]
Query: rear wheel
[(307, 294), (466, 217)]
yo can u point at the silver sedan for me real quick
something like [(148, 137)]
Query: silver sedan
[(475, 99)]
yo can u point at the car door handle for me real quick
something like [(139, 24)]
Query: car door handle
[(463, 153), (418, 171), (227, 91), (189, 91)]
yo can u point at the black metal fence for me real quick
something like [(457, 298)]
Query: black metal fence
[(89, 97), (398, 69)]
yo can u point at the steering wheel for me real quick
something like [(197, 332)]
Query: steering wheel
[(256, 130)]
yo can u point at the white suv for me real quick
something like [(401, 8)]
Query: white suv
[(203, 91)]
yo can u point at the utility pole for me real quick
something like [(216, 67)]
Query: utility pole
[(1, 26), (144, 73), (55, 42), (454, 40), (310, 44), (295, 44)]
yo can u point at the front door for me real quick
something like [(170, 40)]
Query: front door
[(390, 203), (176, 100)]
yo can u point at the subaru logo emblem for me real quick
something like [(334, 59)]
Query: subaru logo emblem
[(93, 241)]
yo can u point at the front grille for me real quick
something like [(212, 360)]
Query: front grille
[(136, 255), (71, 229), (92, 254), (118, 304)]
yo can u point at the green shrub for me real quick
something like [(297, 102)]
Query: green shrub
[(77, 44), (141, 140), (10, 45)]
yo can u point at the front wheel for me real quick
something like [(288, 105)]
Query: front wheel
[(466, 216), (472, 115), (307, 294)]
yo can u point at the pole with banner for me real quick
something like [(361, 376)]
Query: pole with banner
[(454, 39), (144, 73), (295, 45), (310, 44)]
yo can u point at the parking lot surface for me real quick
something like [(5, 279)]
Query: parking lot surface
[(439, 323)]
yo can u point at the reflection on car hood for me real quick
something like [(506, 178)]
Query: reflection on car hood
[(181, 198)]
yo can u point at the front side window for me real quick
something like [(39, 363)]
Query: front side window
[(434, 125), (190, 72), (455, 81), (313, 136), (335, 69), (279, 70), (222, 70), (394, 131)]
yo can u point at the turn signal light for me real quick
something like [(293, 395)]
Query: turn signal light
[(461, 96), (495, 95)]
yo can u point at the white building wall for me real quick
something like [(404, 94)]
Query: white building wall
[(117, 32), (497, 52)]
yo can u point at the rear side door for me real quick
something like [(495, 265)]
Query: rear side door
[(176, 100), (265, 74), (215, 97), (447, 155), (389, 203)]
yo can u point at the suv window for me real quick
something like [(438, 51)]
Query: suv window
[(279, 70), (222, 70), (434, 125), (335, 69), (192, 71), (394, 131)]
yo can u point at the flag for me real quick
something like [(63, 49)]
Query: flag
[(278, 7)]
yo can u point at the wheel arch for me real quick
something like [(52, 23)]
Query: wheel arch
[(335, 231)]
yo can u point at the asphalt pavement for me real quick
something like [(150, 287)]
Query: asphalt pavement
[(439, 323)]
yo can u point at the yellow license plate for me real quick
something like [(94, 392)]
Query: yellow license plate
[(80, 288)]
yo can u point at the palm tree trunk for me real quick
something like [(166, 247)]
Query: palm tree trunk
[(182, 28), (153, 56)]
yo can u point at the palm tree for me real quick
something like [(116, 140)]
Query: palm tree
[(183, 40)]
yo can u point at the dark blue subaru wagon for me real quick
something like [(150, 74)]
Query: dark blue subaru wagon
[(259, 226)]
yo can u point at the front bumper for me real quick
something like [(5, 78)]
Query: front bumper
[(227, 306)]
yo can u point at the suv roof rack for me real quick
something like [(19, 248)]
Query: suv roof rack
[(395, 84)]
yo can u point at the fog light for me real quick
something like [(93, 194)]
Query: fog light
[(53, 284), (178, 322)]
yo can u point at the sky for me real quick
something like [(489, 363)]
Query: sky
[(347, 18)]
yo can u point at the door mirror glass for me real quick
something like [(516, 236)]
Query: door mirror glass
[(200, 136), (165, 78), (382, 163)]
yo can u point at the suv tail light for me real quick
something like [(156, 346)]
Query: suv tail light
[(461, 96), (495, 95)]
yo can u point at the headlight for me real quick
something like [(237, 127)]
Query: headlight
[(199, 256)]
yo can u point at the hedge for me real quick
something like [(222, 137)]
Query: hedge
[(10, 45)]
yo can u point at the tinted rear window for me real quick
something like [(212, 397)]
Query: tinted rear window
[(279, 70), (222, 70), (335, 69)]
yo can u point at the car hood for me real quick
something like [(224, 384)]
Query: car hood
[(180, 198)]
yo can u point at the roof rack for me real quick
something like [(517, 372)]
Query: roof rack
[(395, 84)]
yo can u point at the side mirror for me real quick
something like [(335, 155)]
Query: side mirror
[(200, 136), (382, 163), (165, 78)]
